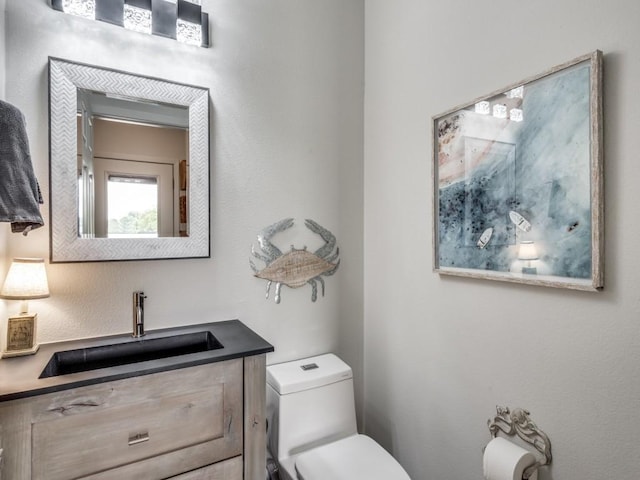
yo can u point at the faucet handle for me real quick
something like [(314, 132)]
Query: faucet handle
[(138, 297)]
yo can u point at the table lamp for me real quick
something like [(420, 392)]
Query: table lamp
[(26, 280), (528, 253)]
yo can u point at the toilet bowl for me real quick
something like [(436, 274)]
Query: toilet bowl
[(312, 424)]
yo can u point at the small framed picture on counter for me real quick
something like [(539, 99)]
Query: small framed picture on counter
[(21, 336)]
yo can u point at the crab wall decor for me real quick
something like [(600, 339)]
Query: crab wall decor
[(297, 267)]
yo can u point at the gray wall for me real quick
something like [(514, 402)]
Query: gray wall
[(286, 141), (440, 352)]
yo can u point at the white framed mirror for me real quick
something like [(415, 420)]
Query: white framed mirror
[(129, 166)]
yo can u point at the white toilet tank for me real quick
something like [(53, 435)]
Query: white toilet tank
[(309, 403)]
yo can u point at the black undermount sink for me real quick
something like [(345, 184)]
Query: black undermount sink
[(142, 350)]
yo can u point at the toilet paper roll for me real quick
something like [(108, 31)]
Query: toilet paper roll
[(504, 460)]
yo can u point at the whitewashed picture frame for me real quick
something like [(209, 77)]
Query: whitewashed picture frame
[(518, 181)]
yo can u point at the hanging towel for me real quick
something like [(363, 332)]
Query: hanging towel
[(20, 194)]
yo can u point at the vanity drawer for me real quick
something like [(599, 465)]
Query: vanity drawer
[(191, 425), (193, 460), (228, 470)]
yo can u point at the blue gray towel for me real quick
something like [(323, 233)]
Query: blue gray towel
[(19, 190)]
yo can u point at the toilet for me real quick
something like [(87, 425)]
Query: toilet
[(312, 424)]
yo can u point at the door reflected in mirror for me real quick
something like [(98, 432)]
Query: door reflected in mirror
[(132, 168)]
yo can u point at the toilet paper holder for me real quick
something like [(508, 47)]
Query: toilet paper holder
[(517, 422)]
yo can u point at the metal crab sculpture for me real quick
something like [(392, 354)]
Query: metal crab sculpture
[(297, 267)]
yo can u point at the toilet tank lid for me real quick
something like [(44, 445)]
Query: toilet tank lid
[(307, 373)]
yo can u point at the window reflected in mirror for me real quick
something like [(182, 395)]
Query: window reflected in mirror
[(132, 206), (132, 168)]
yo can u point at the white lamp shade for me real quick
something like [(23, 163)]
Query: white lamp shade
[(527, 250), (26, 280)]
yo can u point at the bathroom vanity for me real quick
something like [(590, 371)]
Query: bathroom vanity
[(188, 416)]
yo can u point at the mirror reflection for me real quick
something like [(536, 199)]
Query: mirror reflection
[(132, 159)]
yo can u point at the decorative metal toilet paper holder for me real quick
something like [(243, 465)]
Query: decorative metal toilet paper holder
[(518, 423)]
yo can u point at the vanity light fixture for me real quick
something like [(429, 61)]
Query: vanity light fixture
[(188, 23), (517, 92), (182, 20), (110, 11), (26, 280), (516, 115), (483, 108), (164, 18), (137, 16), (79, 8), (500, 110)]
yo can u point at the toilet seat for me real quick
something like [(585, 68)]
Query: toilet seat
[(352, 458)]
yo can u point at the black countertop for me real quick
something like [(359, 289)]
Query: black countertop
[(19, 376)]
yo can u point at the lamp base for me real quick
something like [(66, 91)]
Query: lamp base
[(21, 335), (20, 353), (530, 270)]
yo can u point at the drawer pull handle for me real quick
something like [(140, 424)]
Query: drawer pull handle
[(138, 438)]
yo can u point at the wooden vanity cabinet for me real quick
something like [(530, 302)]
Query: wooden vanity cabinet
[(195, 423)]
